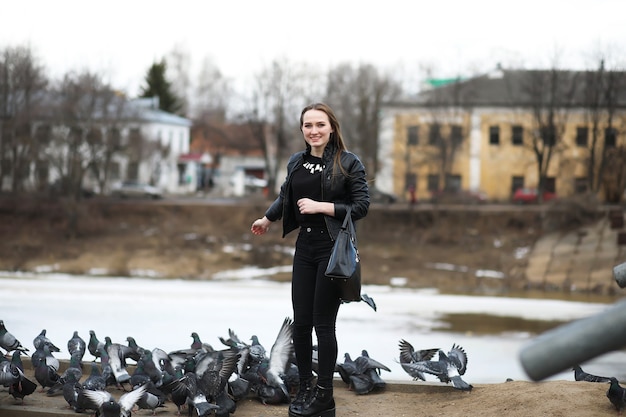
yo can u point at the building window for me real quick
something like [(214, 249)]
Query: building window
[(517, 182), (410, 180), (456, 134), (610, 137), (114, 171), (115, 139), (412, 135), (434, 134), (581, 185), (433, 182), (494, 135), (453, 182), (582, 137), (548, 134), (133, 171), (550, 184), (517, 135)]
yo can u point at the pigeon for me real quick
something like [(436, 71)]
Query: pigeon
[(448, 368), (371, 369), (362, 374), (116, 361), (616, 394), (12, 376), (196, 398), (94, 344), (76, 346), (178, 357), (43, 353), (151, 399), (71, 390), (132, 351), (8, 342), (273, 367), (369, 301), (73, 373), (46, 368), (580, 375), (41, 338), (409, 355), (148, 369), (95, 381), (107, 406)]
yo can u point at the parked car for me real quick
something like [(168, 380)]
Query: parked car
[(136, 189), (531, 196), (453, 196), (377, 196)]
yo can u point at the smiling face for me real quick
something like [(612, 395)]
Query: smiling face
[(316, 129)]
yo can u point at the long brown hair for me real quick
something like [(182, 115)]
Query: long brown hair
[(335, 137)]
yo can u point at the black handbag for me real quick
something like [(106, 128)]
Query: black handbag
[(344, 264)]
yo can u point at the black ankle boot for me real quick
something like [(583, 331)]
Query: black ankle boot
[(322, 404), (305, 391)]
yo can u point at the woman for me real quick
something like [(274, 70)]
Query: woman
[(322, 182)]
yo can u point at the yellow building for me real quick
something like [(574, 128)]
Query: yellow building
[(507, 130)]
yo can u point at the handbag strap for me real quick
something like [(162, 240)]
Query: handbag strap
[(348, 224), (348, 219)]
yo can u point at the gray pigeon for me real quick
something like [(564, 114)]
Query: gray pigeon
[(41, 338), (617, 395), (76, 346), (448, 368), (362, 374), (116, 361), (409, 355), (151, 399), (107, 406), (580, 375), (94, 344), (73, 373), (95, 381), (8, 342), (279, 358), (12, 376), (46, 368)]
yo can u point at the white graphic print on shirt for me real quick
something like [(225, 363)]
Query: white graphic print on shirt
[(312, 167)]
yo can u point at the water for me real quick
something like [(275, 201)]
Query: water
[(164, 313)]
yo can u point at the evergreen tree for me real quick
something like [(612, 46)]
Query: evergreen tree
[(157, 85)]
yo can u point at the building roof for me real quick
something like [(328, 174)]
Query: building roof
[(526, 88), (147, 109)]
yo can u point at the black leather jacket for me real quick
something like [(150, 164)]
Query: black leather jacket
[(343, 190)]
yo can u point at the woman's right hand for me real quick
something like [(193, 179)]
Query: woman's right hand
[(260, 226)]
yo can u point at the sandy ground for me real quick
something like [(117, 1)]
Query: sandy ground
[(515, 398)]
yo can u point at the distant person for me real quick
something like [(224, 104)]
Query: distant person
[(412, 195), (322, 181)]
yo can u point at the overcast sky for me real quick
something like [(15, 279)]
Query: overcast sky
[(121, 39)]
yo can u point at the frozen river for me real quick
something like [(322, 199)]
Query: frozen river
[(164, 313)]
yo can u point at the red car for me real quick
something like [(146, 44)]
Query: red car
[(530, 196)]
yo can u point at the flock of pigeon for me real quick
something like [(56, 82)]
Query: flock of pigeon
[(206, 380), (615, 393)]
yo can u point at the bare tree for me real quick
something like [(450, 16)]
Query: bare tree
[(357, 94), (449, 108), (550, 97), (212, 94), (22, 86), (603, 89), (85, 114), (281, 90)]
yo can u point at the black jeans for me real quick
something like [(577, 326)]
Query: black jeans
[(315, 300)]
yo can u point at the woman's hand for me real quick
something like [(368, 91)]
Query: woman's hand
[(260, 226), (308, 206)]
